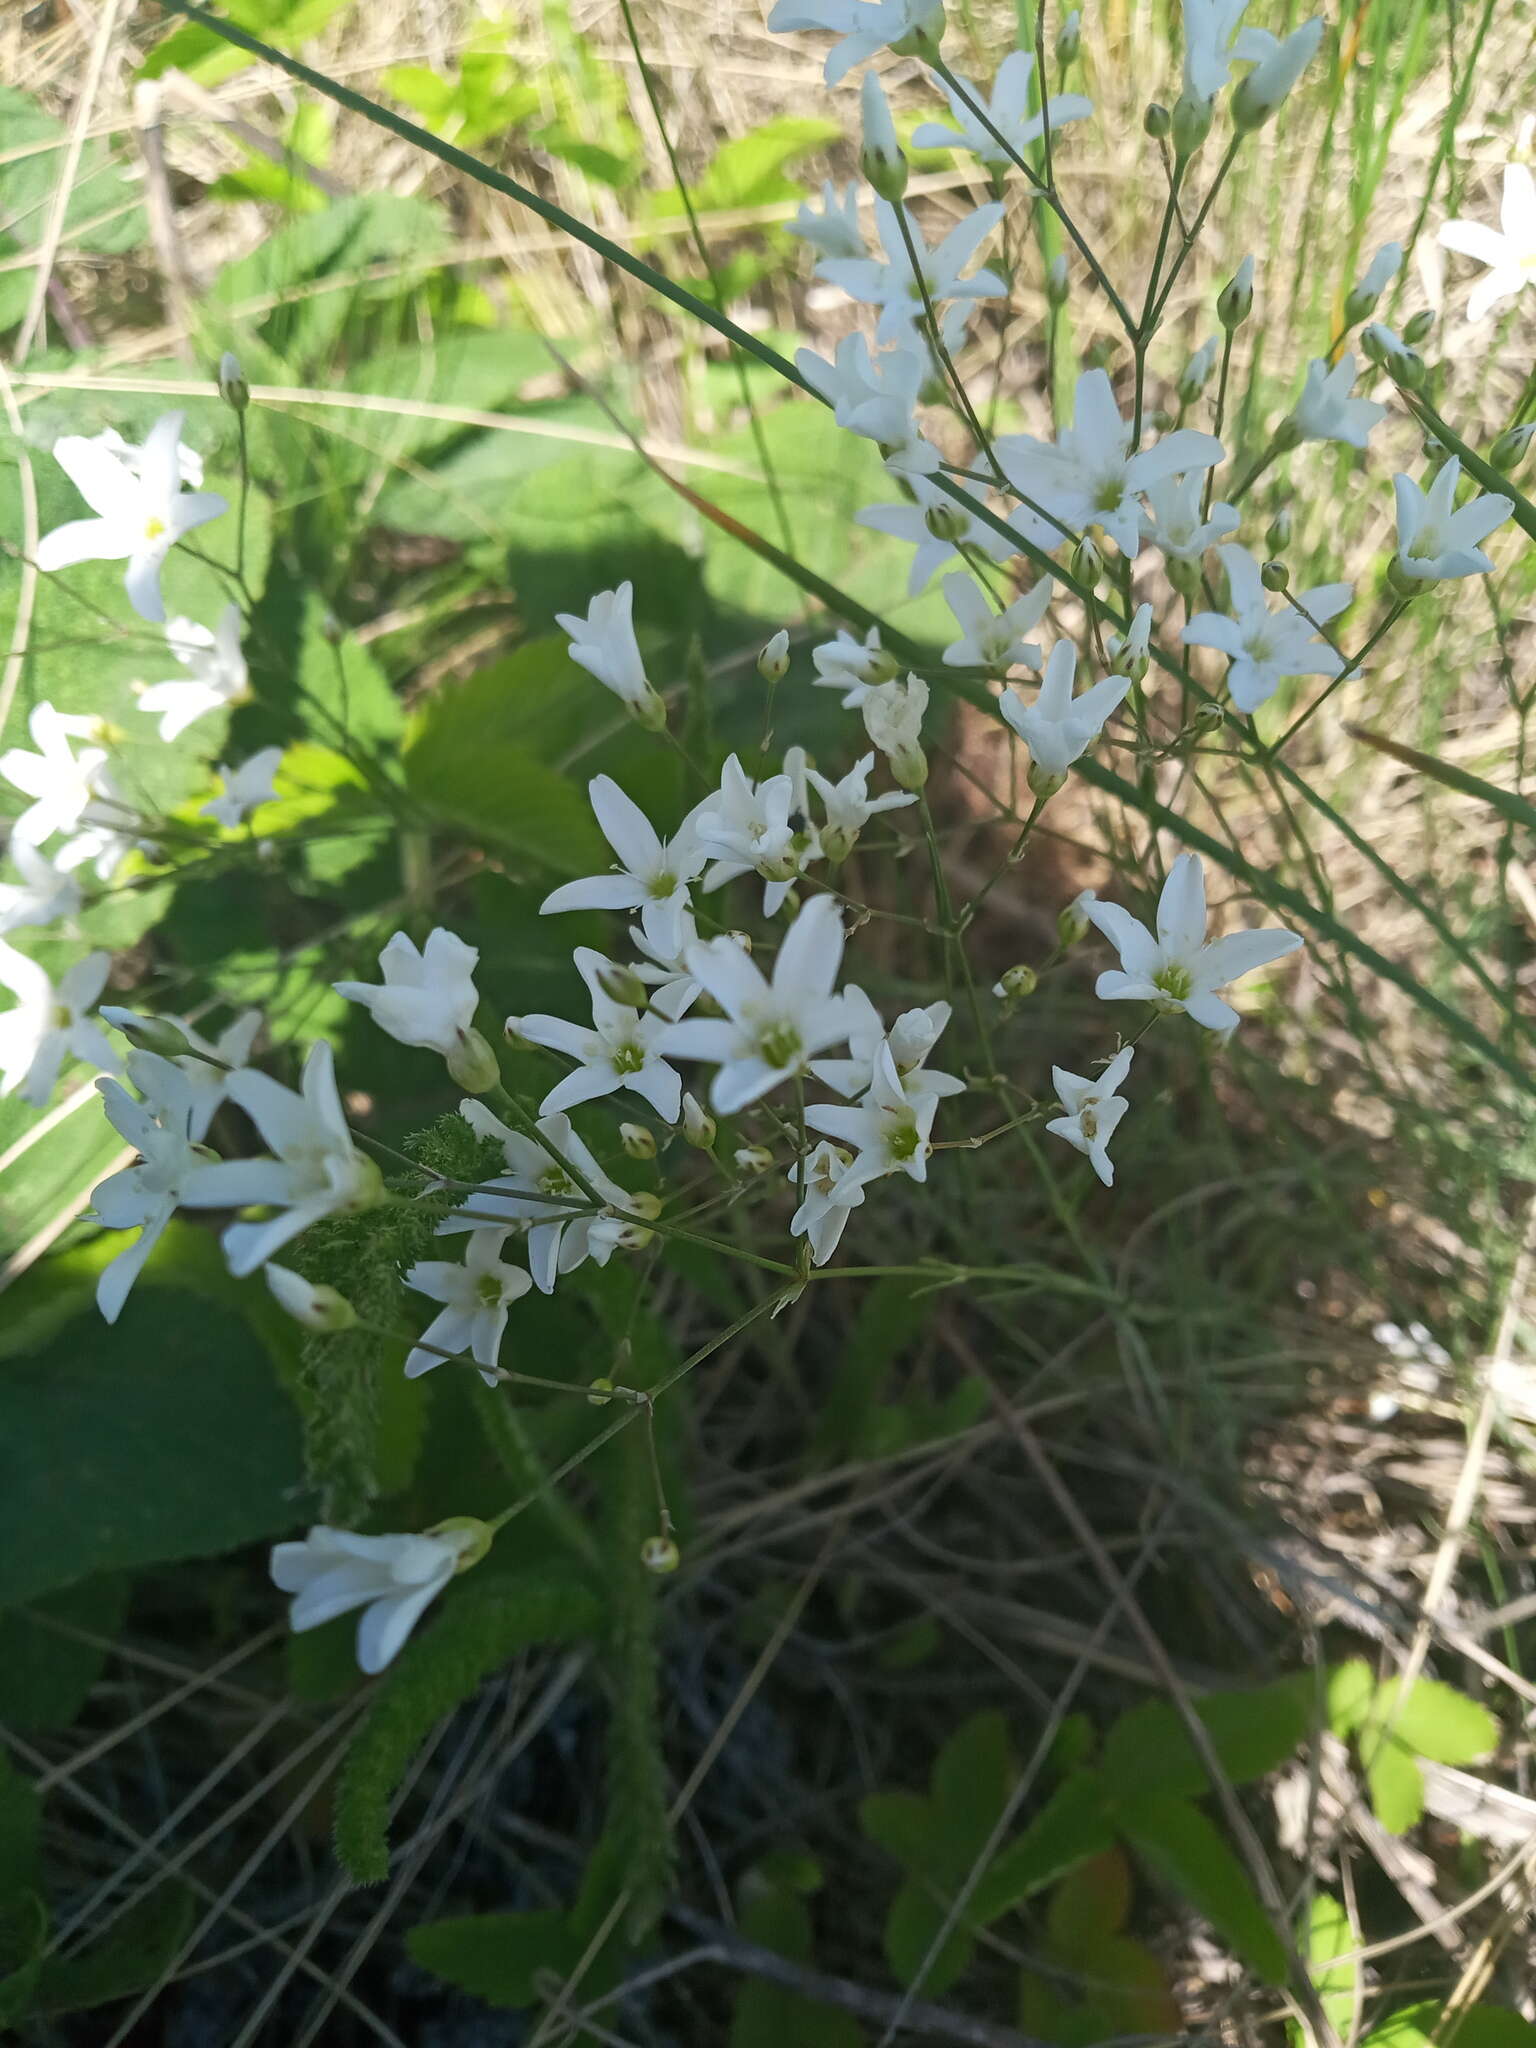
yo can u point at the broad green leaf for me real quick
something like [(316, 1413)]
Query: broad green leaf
[(205, 55), (1072, 1826), (47, 1671), (482, 1624), (1396, 1784), (105, 213), (130, 1955), (749, 169), (1090, 1904), (1351, 1688), (163, 1436), (497, 1956), (770, 2015), (1326, 1937), (497, 790), (901, 1823), (913, 1926), (1433, 1720), (1425, 2026), (1185, 1849), (1251, 1732), (971, 1776), (1125, 1991)]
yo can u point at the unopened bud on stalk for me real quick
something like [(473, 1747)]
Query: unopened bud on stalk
[(1380, 271), (659, 1554), (1269, 83), (698, 1124), (1277, 537), (622, 985), (1087, 562), (773, 662), (473, 1065), (1016, 983), (1275, 576), (233, 388), (1197, 372), (1069, 40), (1132, 654), (1404, 365), (1191, 124), (1236, 300), (1210, 716), (1510, 449), (1419, 326), (150, 1034), (317, 1308), (1158, 122), (1072, 923), (881, 161), (638, 1141), (1056, 281)]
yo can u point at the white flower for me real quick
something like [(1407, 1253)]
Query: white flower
[(145, 1196), (655, 871), (890, 1129), (394, 1579), (316, 1170), (1174, 521), (219, 677), (770, 1030), (1326, 412), (617, 1050), (938, 528), (1010, 113), (851, 665), (1509, 250), (1264, 646), (893, 718), (747, 827), (1059, 728), (1196, 373), (207, 1079), (428, 997), (876, 396), (828, 1196), (316, 1307), (848, 806), (51, 1023), (864, 28), (1435, 540), (992, 639), (1089, 476), (1215, 40), (476, 1297), (43, 893), (245, 787), (1092, 1109), (62, 783), (1176, 969), (1269, 83), (908, 1042), (835, 231), (539, 1192), (1378, 274), (892, 285), (141, 510), (674, 989), (604, 644)]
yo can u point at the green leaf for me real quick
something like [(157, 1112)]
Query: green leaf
[(1326, 1937), (495, 789), (1396, 1785), (1072, 1826), (163, 1436), (971, 1776), (1089, 1904), (1251, 1732), (496, 1956), (749, 169), (900, 1823), (1433, 1720), (1351, 1688), (205, 55), (1423, 2026), (46, 1672), (770, 2015), (480, 1627), (128, 1957), (20, 1821), (1177, 1840), (911, 1928), (104, 213)]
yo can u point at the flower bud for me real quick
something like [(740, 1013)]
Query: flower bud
[(1210, 716), (881, 160), (1419, 326), (1131, 655), (773, 662), (1087, 562), (698, 1124), (600, 1391), (1072, 923), (1056, 281), (1016, 983), (753, 1158), (317, 1308), (1507, 453), (1196, 373), (1158, 122), (1270, 81), (473, 1537), (473, 1065), (659, 1554), (150, 1034), (1236, 300), (1275, 576), (1069, 40), (638, 1141), (1277, 537), (1404, 365), (1380, 271), (233, 388), (622, 985), (1191, 124)]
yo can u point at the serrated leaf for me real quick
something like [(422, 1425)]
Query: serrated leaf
[(1433, 1720), (129, 1956), (496, 1956), (1396, 1785), (1072, 1825), (1424, 2026), (480, 1627), (1183, 1846), (1327, 1937), (1251, 1732), (47, 1671)]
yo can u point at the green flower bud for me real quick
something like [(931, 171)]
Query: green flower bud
[(1210, 716), (773, 662), (1191, 124), (1419, 327), (659, 1554), (1069, 39), (233, 388), (638, 1141), (1275, 576), (622, 985), (1158, 122), (1073, 923), (946, 522), (1087, 562), (1510, 449), (698, 1125), (1017, 983), (648, 710), (1278, 534), (1235, 301), (1044, 785), (150, 1034)]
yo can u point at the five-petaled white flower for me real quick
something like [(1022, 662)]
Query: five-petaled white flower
[(50, 1023), (1174, 967), (851, 665), (673, 988), (617, 1050), (141, 510), (1090, 476), (394, 1579), (253, 783), (770, 1030), (890, 1128), (476, 1296), (909, 1042), (63, 784), (748, 827), (43, 893), (876, 395), (829, 1194), (835, 230), (655, 871), (143, 1197), (893, 286), (864, 28), (1091, 1111), (541, 1192), (994, 639), (604, 644), (1326, 412), (1509, 250), (1262, 645), (207, 1068), (1214, 40), (1434, 539), (893, 718), (428, 997), (1059, 728), (1174, 522), (218, 676), (316, 1170), (1014, 124), (848, 807)]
